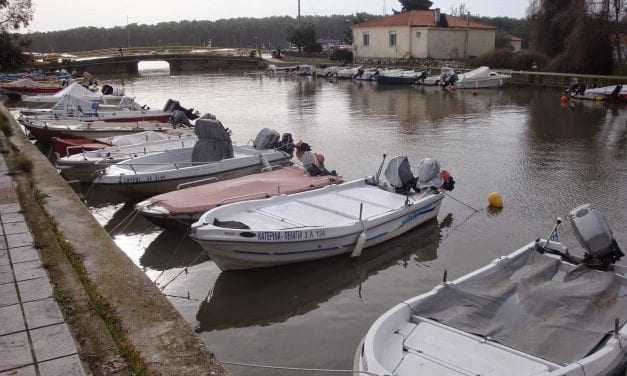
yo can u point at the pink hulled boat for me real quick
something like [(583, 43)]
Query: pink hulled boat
[(179, 209)]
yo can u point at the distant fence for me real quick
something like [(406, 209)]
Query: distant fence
[(562, 80)]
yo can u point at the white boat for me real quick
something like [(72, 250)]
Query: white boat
[(305, 70), (75, 90), (614, 92), (212, 158), (327, 222), (84, 166), (480, 78), (347, 73), (327, 71), (45, 130), (435, 80), (369, 74), (539, 311)]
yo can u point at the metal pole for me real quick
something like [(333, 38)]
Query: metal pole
[(298, 12)]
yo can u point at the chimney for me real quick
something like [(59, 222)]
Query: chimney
[(437, 16)]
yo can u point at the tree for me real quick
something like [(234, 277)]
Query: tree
[(14, 14), (304, 37), (415, 4)]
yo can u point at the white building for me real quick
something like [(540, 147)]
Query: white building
[(422, 34)]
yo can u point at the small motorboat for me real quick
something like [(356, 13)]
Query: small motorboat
[(480, 78), (436, 80), (305, 70), (538, 311), (81, 164), (399, 77), (616, 93), (347, 73), (330, 221), (179, 209), (74, 108), (364, 74), (212, 158), (45, 130), (76, 90), (327, 71), (27, 86)]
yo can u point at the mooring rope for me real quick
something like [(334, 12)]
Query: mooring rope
[(132, 214), (460, 201), (182, 271), (322, 370), (169, 260)]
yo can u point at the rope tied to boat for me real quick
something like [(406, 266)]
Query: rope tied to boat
[(319, 370)]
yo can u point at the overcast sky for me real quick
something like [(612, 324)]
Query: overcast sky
[(65, 14)]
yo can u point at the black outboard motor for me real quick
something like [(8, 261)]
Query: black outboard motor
[(107, 89), (286, 144), (266, 139), (595, 236), (616, 92), (179, 119), (172, 105), (399, 175)]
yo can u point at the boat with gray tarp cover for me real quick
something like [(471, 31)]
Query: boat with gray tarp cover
[(538, 311)]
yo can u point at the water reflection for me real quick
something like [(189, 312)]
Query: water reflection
[(172, 249), (262, 297)]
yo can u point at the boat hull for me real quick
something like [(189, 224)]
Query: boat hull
[(252, 255), (140, 189), (397, 80)]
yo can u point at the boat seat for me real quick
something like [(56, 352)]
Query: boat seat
[(308, 215)]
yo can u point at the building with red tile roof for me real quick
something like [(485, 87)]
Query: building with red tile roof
[(422, 34)]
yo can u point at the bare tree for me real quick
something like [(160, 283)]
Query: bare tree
[(15, 14)]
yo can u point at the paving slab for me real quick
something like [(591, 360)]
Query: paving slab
[(3, 243), (12, 218), (8, 295), (42, 313), (15, 351), (4, 257), (24, 371), (35, 289), (52, 342), (15, 228), (9, 208), (11, 319), (29, 270), (6, 274), (23, 254), (19, 240), (66, 366)]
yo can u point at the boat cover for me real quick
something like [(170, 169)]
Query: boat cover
[(266, 139), (535, 304), (214, 142), (479, 73), (136, 138), (77, 90)]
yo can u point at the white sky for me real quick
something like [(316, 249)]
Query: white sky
[(66, 14)]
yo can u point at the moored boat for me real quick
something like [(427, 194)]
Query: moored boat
[(327, 222), (538, 311), (76, 90), (83, 165), (616, 93), (181, 208), (366, 74), (212, 158), (480, 78), (399, 77), (27, 86), (346, 73)]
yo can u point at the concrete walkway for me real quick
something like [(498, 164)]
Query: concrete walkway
[(35, 340)]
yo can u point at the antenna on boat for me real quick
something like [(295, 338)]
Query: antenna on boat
[(380, 169)]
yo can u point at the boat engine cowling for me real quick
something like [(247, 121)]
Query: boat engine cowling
[(594, 235), (267, 139), (429, 173)]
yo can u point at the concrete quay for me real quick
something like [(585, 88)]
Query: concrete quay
[(71, 302)]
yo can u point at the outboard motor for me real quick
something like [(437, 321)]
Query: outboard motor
[(429, 174), (616, 92), (399, 175), (107, 89), (179, 119), (267, 139), (595, 237), (172, 105), (286, 144)]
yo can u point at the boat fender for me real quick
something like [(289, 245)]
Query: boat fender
[(359, 245)]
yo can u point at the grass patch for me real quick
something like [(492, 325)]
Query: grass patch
[(22, 164)]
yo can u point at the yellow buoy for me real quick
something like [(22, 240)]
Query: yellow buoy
[(495, 200)]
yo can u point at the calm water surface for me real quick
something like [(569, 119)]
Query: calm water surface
[(544, 158)]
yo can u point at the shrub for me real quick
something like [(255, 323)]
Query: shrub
[(508, 59), (342, 55)]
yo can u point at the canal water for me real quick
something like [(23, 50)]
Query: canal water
[(543, 157)]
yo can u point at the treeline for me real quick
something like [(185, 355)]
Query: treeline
[(270, 32)]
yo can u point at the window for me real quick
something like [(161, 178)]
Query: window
[(418, 34), (366, 39), (393, 39)]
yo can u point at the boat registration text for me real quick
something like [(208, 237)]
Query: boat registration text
[(282, 236)]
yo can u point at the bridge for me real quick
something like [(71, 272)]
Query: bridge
[(126, 60)]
